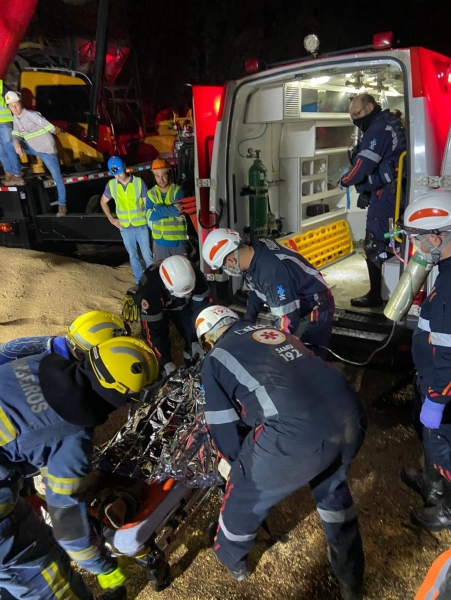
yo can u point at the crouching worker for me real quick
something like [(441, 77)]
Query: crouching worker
[(49, 406), (86, 331), (172, 290), (305, 426)]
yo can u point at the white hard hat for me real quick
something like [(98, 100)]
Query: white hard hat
[(178, 276), (430, 213), (219, 244), (214, 317), (12, 97)]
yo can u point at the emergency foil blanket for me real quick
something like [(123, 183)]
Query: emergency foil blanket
[(167, 438)]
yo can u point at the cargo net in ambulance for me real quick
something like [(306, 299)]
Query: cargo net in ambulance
[(165, 438)]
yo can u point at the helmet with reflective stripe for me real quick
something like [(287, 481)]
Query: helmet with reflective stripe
[(12, 97), (124, 364), (178, 276), (431, 213), (219, 244), (95, 327), (116, 165), (213, 318), (160, 163)]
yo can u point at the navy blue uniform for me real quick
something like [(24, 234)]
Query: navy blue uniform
[(294, 290), (34, 438), (374, 164), (431, 349), (283, 418), (158, 307), (27, 346)]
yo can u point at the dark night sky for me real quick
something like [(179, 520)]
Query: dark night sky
[(200, 41)]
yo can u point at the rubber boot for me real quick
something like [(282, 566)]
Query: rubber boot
[(435, 518), (373, 298), (428, 483), (118, 593)]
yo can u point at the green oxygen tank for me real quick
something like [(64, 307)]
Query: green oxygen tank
[(258, 197)]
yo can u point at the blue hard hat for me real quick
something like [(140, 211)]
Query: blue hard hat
[(116, 165)]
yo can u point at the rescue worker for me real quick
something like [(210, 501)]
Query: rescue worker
[(428, 221), (32, 134), (86, 331), (172, 290), (437, 583), (49, 406), (282, 418), (8, 155), (294, 290), (129, 194), (163, 211), (374, 172)]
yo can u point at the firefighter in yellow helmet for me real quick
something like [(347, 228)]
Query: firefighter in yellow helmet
[(49, 406), (164, 213), (87, 330)]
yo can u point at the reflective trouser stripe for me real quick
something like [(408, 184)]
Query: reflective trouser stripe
[(7, 431), (219, 417), (57, 583), (231, 536), (337, 516), (152, 318), (435, 577), (81, 555)]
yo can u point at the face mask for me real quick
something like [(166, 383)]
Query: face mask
[(234, 271), (432, 257), (364, 123)]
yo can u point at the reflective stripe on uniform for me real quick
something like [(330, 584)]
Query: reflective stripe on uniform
[(64, 485), (231, 536), (435, 577), (5, 113), (152, 318), (441, 339), (81, 555), (127, 201), (286, 309), (200, 297), (46, 129), (172, 229), (337, 516), (7, 431), (246, 379), (219, 417), (57, 583), (424, 324), (371, 156)]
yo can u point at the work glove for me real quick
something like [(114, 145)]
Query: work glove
[(169, 368), (130, 310), (364, 200), (224, 468), (196, 350), (431, 414), (113, 579)]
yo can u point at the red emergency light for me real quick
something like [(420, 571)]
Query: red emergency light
[(382, 40), (5, 227), (252, 65)]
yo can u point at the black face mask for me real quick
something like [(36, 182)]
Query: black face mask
[(364, 123)]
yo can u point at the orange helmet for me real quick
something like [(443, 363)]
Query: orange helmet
[(160, 163)]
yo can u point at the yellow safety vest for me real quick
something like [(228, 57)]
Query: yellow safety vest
[(172, 229), (5, 113), (130, 208)]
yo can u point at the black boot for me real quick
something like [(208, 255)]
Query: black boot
[(373, 298), (348, 593), (118, 593), (157, 569), (428, 482), (435, 518)]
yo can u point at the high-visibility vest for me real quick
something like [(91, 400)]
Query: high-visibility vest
[(5, 113), (172, 229), (130, 208), (435, 577)]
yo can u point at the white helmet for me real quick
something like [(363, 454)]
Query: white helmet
[(12, 97), (431, 213), (219, 244), (212, 318), (178, 276)]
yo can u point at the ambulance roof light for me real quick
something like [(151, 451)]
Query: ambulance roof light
[(252, 65), (382, 40)]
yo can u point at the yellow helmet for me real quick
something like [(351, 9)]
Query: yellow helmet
[(95, 327), (124, 364)]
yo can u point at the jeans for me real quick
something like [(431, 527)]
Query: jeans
[(52, 163), (132, 237), (8, 155)]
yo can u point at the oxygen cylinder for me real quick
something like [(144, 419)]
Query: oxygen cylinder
[(414, 276), (258, 197)]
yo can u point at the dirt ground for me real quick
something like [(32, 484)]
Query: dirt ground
[(41, 293)]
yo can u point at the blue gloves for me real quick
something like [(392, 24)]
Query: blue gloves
[(431, 414)]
